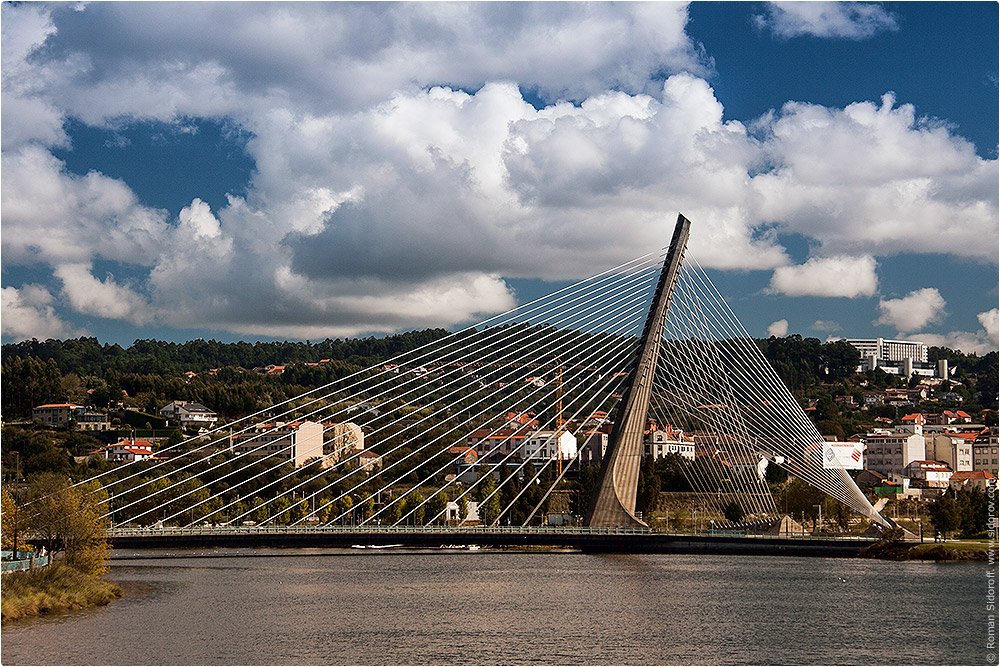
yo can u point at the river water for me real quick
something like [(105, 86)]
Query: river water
[(498, 607)]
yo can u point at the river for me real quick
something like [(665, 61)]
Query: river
[(498, 607)]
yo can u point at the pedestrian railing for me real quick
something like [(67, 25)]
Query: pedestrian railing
[(23, 560), (450, 530)]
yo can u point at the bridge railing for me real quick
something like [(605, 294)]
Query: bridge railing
[(442, 530)]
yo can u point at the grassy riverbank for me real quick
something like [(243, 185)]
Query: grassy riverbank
[(967, 551), (50, 589)]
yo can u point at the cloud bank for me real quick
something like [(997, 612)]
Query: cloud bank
[(419, 154)]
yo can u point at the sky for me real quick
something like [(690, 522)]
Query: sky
[(259, 171)]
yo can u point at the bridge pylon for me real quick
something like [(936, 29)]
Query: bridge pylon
[(613, 503)]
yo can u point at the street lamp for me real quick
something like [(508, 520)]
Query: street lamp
[(820, 507)]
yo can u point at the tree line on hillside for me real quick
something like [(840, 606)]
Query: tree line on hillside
[(87, 356)]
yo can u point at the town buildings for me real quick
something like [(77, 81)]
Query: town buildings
[(888, 452), (69, 414)]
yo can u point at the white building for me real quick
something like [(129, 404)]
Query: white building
[(929, 474), (897, 357), (453, 515), (126, 450), (547, 445), (189, 415), (297, 442), (55, 414), (950, 449), (369, 461), (890, 453), (890, 350), (984, 453), (595, 444), (658, 443)]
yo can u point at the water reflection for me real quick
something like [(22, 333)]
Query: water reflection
[(346, 607)]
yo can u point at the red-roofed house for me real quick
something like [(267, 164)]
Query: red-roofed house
[(503, 441), (966, 479), (54, 414), (660, 442), (467, 454), (126, 450), (928, 474), (521, 418), (369, 460)]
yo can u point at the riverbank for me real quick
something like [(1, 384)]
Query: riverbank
[(51, 589), (952, 551)]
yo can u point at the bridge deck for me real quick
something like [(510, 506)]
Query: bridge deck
[(591, 540)]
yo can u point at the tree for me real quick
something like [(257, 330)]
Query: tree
[(489, 503), (69, 521), (801, 498), (840, 359), (733, 512), (413, 509), (437, 505), (944, 513), (344, 509), (648, 494), (366, 508), (393, 511), (279, 509), (13, 526), (463, 508), (28, 382)]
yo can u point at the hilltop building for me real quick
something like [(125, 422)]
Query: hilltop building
[(897, 357)]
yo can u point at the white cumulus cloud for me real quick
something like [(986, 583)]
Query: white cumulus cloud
[(28, 313), (778, 328), (840, 276), (991, 324), (913, 311)]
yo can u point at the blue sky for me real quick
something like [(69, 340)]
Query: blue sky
[(250, 171)]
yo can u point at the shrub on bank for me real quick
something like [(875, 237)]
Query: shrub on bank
[(57, 587)]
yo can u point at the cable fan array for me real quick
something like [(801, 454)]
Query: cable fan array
[(715, 382), (495, 416)]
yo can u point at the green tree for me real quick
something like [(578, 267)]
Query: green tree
[(345, 507), (393, 511), (413, 509), (489, 502), (28, 382), (840, 360), (463, 508), (13, 523), (69, 520), (366, 508), (647, 498), (437, 505), (279, 509), (733, 512), (945, 515)]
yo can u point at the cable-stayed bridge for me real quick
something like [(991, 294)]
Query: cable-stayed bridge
[(493, 427)]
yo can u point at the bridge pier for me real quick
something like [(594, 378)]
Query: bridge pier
[(613, 503)]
